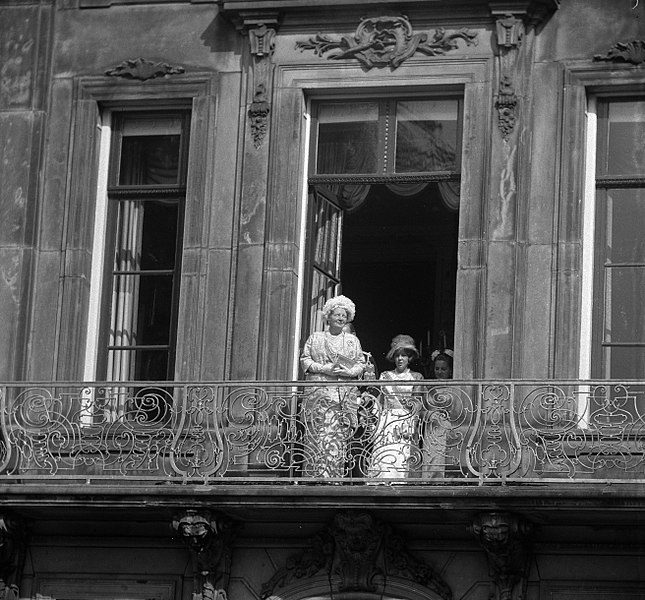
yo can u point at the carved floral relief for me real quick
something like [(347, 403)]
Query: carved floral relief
[(385, 41), (143, 69), (631, 52)]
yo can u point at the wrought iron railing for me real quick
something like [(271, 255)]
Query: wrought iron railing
[(429, 432)]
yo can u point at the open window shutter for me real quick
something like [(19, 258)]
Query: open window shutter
[(323, 256)]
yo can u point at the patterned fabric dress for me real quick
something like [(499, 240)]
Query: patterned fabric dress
[(328, 413), (398, 416)]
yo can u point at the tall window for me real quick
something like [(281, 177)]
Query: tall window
[(619, 288), (146, 195), (383, 212)]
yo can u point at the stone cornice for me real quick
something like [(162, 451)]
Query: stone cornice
[(339, 12)]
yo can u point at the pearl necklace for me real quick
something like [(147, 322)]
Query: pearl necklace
[(332, 344)]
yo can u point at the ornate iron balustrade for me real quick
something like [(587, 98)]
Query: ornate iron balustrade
[(424, 433)]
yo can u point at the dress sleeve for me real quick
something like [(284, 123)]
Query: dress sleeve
[(359, 368), (309, 353)]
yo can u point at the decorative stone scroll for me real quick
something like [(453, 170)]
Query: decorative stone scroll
[(630, 52), (208, 536), (143, 69), (13, 548), (385, 42), (506, 539), (356, 553)]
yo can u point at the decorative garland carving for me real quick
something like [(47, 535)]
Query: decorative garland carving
[(13, 548), (356, 553), (505, 104), (506, 540), (385, 41), (262, 41), (208, 536), (632, 52), (143, 69)]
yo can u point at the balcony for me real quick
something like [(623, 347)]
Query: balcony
[(456, 433)]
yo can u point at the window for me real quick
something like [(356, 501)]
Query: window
[(618, 349), (383, 216), (146, 192), (388, 137)]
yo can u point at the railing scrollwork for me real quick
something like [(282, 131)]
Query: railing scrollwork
[(456, 432)]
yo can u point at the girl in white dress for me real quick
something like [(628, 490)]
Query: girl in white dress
[(399, 407)]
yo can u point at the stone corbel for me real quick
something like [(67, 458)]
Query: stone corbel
[(509, 33), (506, 539), (13, 548), (208, 536)]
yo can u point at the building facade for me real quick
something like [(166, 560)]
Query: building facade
[(185, 183)]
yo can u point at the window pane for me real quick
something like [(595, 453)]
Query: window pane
[(149, 160), (624, 315), (160, 222), (322, 289), (626, 222), (139, 365), (626, 362), (347, 138), (426, 136), (626, 144), (143, 306)]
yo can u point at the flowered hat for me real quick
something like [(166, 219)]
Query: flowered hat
[(402, 342), (340, 302)]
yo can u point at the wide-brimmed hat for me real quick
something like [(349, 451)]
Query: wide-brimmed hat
[(339, 302), (402, 342)]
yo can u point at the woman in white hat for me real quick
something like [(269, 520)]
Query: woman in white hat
[(329, 413)]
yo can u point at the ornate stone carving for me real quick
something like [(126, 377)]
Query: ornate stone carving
[(505, 104), (143, 69), (208, 536), (356, 552), (506, 539), (262, 42), (632, 52), (510, 31), (13, 548), (385, 41)]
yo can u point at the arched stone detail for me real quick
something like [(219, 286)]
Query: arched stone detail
[(356, 556)]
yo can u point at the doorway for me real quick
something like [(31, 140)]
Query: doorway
[(399, 265)]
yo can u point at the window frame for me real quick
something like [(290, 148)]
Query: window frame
[(603, 183), (91, 96), (583, 82), (316, 184), (115, 193), (295, 86)]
